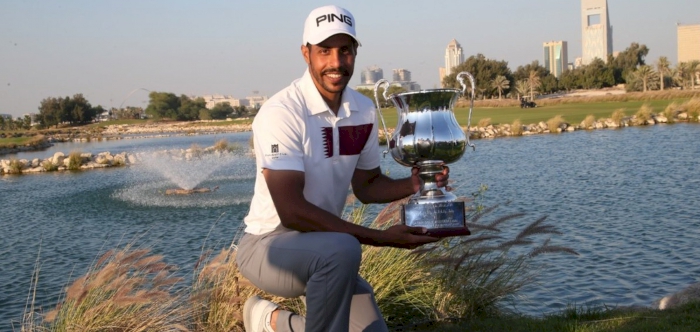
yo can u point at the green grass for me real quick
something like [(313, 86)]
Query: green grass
[(12, 142), (119, 122), (573, 112), (246, 121)]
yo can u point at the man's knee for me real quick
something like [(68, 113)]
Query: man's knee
[(344, 249)]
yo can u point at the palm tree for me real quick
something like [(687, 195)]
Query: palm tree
[(662, 67), (644, 73), (694, 71), (679, 74), (500, 83), (522, 87), (534, 82)]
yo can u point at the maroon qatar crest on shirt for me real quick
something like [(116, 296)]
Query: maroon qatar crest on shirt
[(352, 139)]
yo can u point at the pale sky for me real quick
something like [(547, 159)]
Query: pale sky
[(107, 49)]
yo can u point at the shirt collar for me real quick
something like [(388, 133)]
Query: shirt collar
[(315, 103)]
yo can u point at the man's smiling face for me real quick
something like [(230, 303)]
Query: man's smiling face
[(331, 64)]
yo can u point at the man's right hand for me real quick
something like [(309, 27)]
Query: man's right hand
[(402, 236)]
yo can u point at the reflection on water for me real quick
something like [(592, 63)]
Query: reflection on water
[(624, 199)]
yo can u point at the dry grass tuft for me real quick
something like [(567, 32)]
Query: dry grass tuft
[(48, 165), (588, 122), (516, 128), (221, 145), (118, 294), (693, 108), (644, 115), (220, 291), (15, 166), (74, 161), (483, 123), (618, 115), (554, 124), (670, 112)]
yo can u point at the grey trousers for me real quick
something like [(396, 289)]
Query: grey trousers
[(321, 266)]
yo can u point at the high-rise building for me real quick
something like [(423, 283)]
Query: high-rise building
[(556, 58), (371, 75), (596, 31), (402, 75), (688, 43), (453, 56)]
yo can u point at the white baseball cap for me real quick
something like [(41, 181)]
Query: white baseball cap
[(327, 21)]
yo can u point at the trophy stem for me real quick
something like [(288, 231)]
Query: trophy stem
[(429, 191)]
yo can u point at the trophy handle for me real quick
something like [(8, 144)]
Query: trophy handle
[(460, 78), (379, 109)]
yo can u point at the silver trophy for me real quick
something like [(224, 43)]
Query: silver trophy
[(428, 136)]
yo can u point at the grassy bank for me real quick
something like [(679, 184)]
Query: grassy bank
[(572, 112), (13, 142)]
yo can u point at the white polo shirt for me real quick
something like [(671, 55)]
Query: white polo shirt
[(296, 130)]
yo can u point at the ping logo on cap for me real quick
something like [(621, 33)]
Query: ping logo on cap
[(332, 18)]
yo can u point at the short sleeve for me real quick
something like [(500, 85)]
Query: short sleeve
[(277, 136)]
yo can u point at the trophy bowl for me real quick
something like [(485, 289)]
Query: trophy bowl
[(428, 137)]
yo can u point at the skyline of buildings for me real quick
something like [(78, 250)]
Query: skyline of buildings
[(454, 55), (597, 42), (556, 58), (596, 31), (688, 42), (371, 75)]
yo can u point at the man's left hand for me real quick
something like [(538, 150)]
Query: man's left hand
[(442, 178)]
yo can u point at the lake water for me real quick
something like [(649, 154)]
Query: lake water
[(626, 200)]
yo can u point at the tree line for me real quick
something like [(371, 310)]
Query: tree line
[(77, 110), (495, 80), (166, 105)]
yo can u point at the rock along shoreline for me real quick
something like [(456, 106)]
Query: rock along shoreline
[(85, 161)]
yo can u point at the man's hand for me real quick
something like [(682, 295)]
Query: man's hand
[(441, 178), (402, 236)]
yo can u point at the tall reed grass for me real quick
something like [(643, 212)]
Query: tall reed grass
[(125, 290), (455, 278)]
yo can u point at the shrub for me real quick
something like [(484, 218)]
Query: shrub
[(693, 108), (483, 123), (644, 115), (48, 165), (670, 112), (15, 166), (196, 150), (74, 161), (220, 291), (555, 123), (516, 128), (588, 122), (221, 145), (618, 115)]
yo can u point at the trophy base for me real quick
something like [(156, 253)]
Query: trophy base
[(442, 219)]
